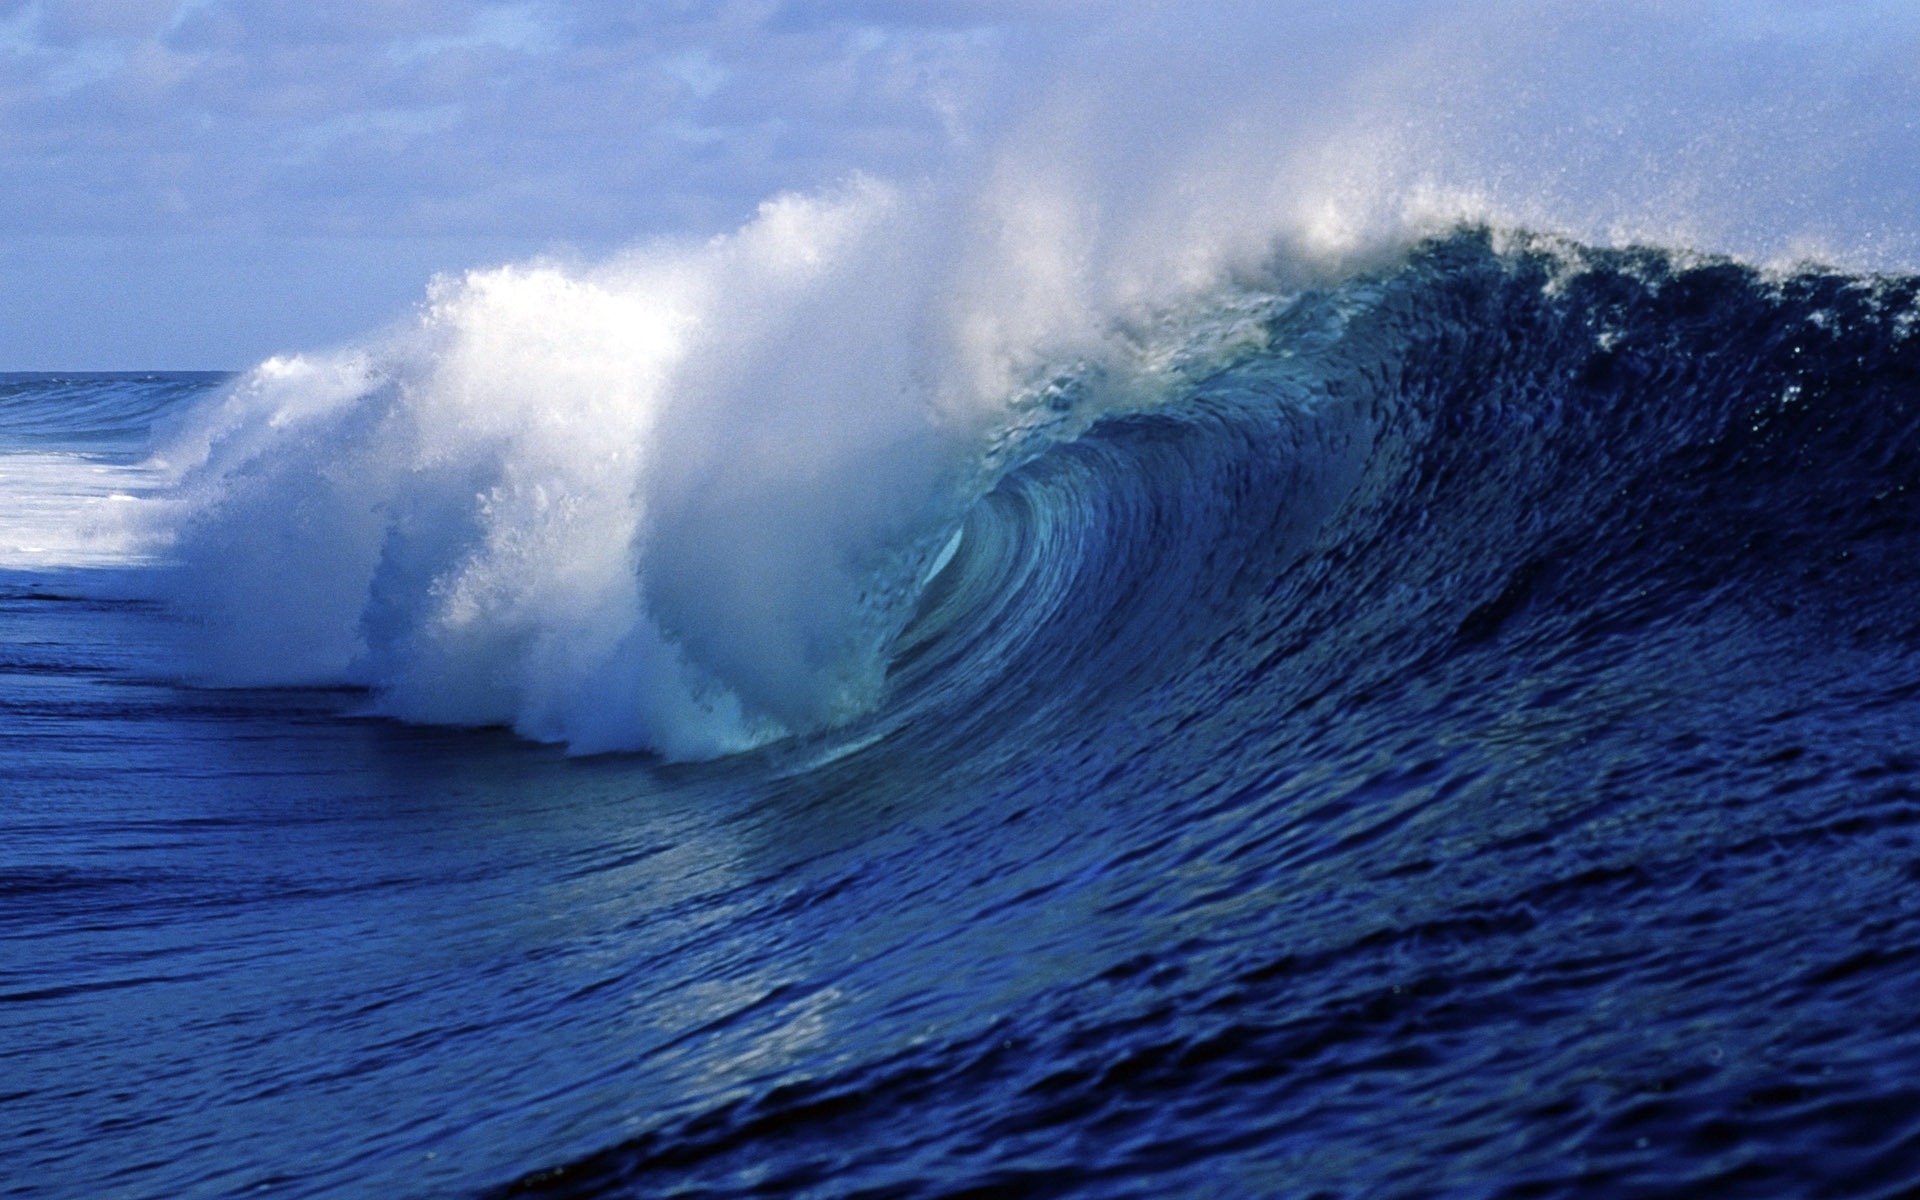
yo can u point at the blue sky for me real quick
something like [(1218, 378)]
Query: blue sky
[(200, 183)]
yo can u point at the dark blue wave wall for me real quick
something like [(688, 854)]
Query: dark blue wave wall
[(1466, 747)]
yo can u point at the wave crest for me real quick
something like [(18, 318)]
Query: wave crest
[(634, 505)]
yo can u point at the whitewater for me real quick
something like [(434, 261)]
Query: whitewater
[(1337, 630)]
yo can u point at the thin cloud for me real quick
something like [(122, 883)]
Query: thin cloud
[(518, 28)]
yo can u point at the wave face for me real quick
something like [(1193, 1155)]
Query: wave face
[(1441, 730), (1461, 744), (682, 502)]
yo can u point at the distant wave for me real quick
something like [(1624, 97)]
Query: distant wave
[(74, 464)]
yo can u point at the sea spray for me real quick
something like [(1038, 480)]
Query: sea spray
[(682, 501), (631, 505)]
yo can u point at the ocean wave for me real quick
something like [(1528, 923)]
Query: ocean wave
[(518, 512)]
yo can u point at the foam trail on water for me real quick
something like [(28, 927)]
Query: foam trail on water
[(682, 500), (69, 510)]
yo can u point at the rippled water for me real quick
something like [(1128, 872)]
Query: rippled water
[(1462, 746)]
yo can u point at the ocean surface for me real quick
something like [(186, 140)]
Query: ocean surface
[(1452, 734)]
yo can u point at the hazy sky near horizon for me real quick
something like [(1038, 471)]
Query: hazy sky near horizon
[(199, 183)]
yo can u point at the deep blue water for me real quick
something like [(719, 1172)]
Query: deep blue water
[(1466, 747)]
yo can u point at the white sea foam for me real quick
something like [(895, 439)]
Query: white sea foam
[(618, 505), (73, 510), (680, 500)]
